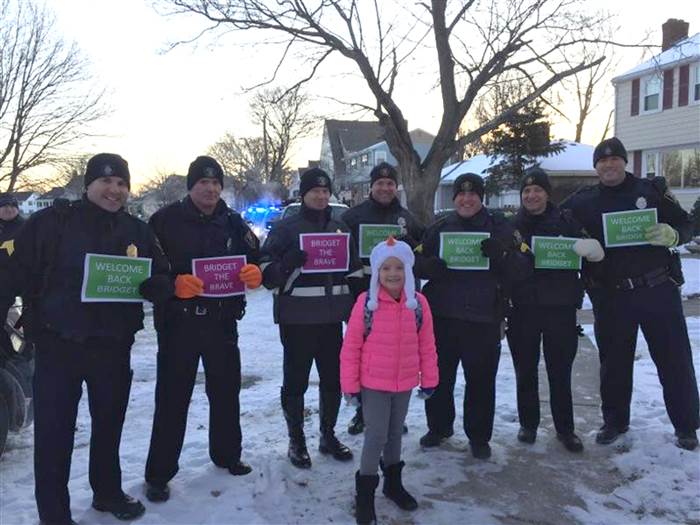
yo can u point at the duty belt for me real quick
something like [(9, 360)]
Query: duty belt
[(647, 280)]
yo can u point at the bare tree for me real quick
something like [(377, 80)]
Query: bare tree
[(284, 118), (45, 102), (473, 42), (165, 187), (243, 159)]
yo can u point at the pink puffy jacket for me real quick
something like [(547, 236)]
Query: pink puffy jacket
[(395, 357)]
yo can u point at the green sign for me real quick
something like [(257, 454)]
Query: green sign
[(462, 250), (113, 278), (373, 234), (555, 253), (626, 228)]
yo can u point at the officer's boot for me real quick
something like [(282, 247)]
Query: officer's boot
[(364, 498), (329, 404), (293, 408), (393, 487)]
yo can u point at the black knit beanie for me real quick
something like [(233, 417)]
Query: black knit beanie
[(314, 178), (536, 176), (107, 165), (204, 167), (383, 170), (611, 147), (468, 182)]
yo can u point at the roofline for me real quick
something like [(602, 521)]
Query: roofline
[(643, 72)]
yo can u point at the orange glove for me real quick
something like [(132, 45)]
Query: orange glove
[(187, 286), (251, 276)]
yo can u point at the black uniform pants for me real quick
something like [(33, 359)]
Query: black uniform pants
[(181, 343), (61, 367), (659, 313), (555, 328), (478, 347), (304, 343)]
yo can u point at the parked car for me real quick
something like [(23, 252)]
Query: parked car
[(337, 210), (16, 373)]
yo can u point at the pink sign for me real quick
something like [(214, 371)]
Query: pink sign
[(328, 252), (220, 275)]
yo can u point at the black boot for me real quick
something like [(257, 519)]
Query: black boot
[(123, 507), (364, 498), (293, 408), (357, 423), (394, 489), (157, 492), (329, 404), (608, 434)]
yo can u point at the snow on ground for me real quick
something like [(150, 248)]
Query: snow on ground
[(644, 479)]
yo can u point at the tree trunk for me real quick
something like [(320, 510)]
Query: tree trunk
[(420, 186)]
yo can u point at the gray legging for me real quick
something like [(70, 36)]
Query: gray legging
[(384, 414)]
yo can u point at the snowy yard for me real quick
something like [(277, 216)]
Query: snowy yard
[(645, 478)]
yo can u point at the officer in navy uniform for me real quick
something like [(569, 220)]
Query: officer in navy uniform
[(310, 309), (191, 327), (544, 313), (79, 341), (382, 207), (10, 223), (468, 308), (637, 286)]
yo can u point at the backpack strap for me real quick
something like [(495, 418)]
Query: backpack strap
[(369, 313)]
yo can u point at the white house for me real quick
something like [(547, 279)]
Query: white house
[(657, 113), (569, 169), (27, 201)]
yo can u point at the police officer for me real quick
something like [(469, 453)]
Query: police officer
[(467, 308), (637, 286), (78, 341), (10, 223), (544, 311), (310, 309), (191, 327), (381, 208)]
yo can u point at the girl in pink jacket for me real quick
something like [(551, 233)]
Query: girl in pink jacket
[(389, 348)]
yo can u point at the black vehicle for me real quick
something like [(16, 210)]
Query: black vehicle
[(16, 372)]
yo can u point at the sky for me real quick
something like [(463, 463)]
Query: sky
[(167, 107)]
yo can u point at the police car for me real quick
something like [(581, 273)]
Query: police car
[(337, 210)]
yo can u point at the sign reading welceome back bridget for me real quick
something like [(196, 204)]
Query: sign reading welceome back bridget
[(555, 253), (373, 234), (113, 278), (626, 228), (462, 250)]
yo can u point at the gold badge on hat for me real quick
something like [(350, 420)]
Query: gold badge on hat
[(641, 203), (132, 250), (529, 181), (467, 186), (321, 181)]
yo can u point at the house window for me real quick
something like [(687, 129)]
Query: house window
[(379, 157), (353, 162), (651, 87), (650, 160), (682, 168), (364, 159), (696, 84)]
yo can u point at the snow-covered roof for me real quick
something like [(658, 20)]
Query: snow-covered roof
[(574, 157), (687, 50)]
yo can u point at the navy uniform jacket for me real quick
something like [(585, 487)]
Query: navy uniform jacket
[(185, 233), (371, 212), (473, 295), (588, 205), (48, 264), (548, 287), (8, 232), (307, 298)]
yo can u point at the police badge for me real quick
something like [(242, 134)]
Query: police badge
[(107, 170), (321, 181), (467, 186), (641, 203), (209, 172), (401, 221), (529, 181)]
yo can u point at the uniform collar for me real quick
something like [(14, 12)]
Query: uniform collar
[(393, 205), (192, 210), (626, 183), (479, 219), (316, 216)]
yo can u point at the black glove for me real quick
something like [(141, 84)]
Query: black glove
[(292, 259), (157, 288), (493, 248), (435, 267)]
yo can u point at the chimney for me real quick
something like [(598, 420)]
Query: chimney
[(673, 30)]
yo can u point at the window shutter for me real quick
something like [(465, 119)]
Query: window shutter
[(638, 163), (668, 89), (635, 97), (683, 76)]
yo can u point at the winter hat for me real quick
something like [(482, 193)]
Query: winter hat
[(538, 177), (383, 170), (468, 182), (8, 199), (611, 147), (204, 167), (107, 165), (314, 178), (380, 253)]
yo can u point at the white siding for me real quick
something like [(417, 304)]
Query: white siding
[(671, 127)]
